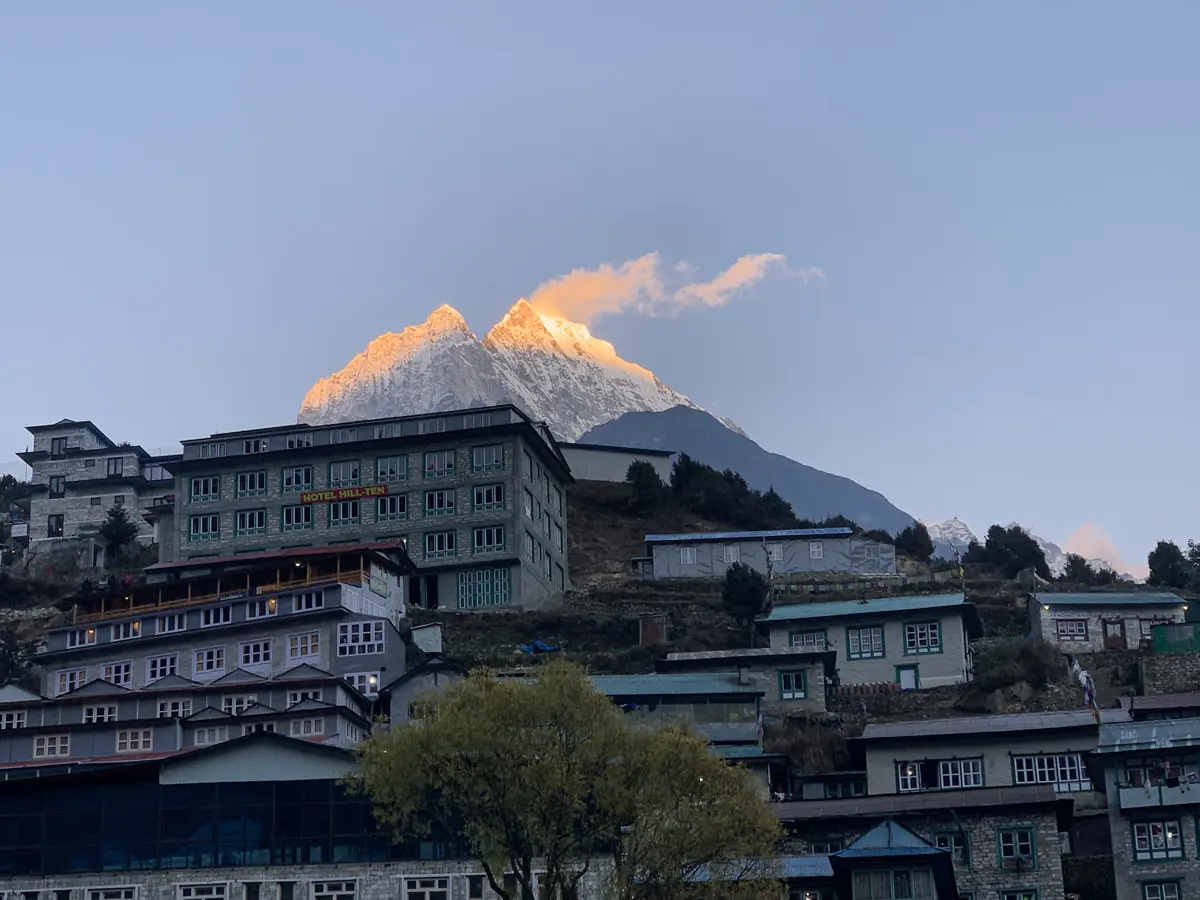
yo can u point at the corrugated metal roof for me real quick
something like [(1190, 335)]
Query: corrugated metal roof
[(1125, 598), (720, 655), (1156, 734), (1188, 700), (788, 867), (877, 606), (693, 536), (672, 685), (900, 804), (1001, 724), (741, 751)]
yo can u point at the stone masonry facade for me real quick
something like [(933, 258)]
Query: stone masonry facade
[(980, 873), (1171, 673), (1133, 875), (359, 881)]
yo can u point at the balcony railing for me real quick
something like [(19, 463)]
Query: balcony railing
[(1183, 794), (233, 592)]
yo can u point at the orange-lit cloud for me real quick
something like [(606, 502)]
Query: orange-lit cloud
[(1091, 542), (641, 284)]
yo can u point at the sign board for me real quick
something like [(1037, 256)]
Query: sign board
[(20, 529), (349, 493)]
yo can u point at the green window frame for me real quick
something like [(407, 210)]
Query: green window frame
[(923, 638), (487, 458), (958, 843), (870, 637), (442, 502), (1164, 889), (343, 513), (1154, 840), (249, 521), (345, 473), (205, 487), (814, 638), (1010, 841), (296, 517), (793, 685), (1025, 894), (439, 464), (296, 479), (251, 484), (391, 469)]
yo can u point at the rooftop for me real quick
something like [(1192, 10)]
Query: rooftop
[(1001, 724), (880, 606), (1188, 700), (673, 685), (695, 536), (205, 562), (1155, 734), (1110, 598), (883, 805), (714, 660)]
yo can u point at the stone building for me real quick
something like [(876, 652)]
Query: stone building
[(1004, 842), (78, 473), (796, 551), (1149, 773), (794, 679), (1089, 622), (915, 642), (477, 498)]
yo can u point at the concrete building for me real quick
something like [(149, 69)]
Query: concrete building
[(78, 473), (1148, 771), (794, 678), (798, 551), (297, 643), (476, 496), (1087, 622), (600, 462), (915, 642)]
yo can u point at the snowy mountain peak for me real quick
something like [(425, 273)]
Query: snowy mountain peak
[(551, 367), (950, 538)]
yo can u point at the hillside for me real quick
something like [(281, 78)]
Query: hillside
[(813, 494)]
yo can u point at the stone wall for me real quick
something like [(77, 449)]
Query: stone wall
[(1132, 874), (1173, 673)]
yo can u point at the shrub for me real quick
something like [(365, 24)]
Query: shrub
[(1010, 661)]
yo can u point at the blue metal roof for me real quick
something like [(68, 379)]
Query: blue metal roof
[(673, 685), (1106, 598), (1153, 734), (889, 838), (789, 867), (747, 535), (878, 606), (741, 751)]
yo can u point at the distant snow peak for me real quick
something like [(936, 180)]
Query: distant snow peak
[(551, 367), (950, 538)]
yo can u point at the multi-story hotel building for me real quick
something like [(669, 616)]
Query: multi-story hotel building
[(476, 497), (78, 474)]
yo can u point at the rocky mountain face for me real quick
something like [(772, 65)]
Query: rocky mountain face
[(552, 368), (813, 494)]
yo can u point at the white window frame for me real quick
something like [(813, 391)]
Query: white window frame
[(343, 435), (687, 555), (958, 774), (1071, 630), (93, 715), (488, 539), (205, 736), (206, 527), (126, 631), (119, 673), (175, 709), (441, 544), (296, 479), (343, 513), (487, 496), (440, 502), (428, 887), (208, 661), (250, 521), (81, 637), (1166, 833), (1066, 771), (307, 601), (364, 638), (300, 440), (1160, 890), (366, 683), (170, 623), (775, 551), (438, 463), (814, 640), (204, 488), (161, 666), (212, 616), (256, 445), (731, 554), (487, 458), (855, 634), (816, 549), (799, 685), (262, 609), (255, 653), (67, 680), (339, 889), (236, 704), (391, 469), (13, 718), (305, 645), (303, 694), (112, 893), (484, 588), (391, 508), (212, 450), (307, 727), (1009, 843), (218, 890), (345, 473), (251, 727), (51, 746)]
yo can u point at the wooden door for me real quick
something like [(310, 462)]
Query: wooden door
[(1114, 635)]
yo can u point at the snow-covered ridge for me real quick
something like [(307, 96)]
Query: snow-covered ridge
[(551, 367), (954, 535)]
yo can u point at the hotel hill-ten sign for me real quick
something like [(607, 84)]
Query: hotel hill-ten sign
[(348, 493)]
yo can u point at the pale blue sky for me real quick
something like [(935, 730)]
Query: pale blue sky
[(203, 210)]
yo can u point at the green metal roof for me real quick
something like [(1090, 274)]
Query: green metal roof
[(879, 606), (1152, 735), (1106, 598), (673, 685)]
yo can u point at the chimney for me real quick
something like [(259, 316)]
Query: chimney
[(428, 638)]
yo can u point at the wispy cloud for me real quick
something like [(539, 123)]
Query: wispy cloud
[(1091, 542), (642, 285)]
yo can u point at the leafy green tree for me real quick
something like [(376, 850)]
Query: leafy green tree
[(745, 595), (546, 775), (118, 529), (1077, 570), (1008, 551), (1168, 566), (16, 659), (647, 489), (914, 541)]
